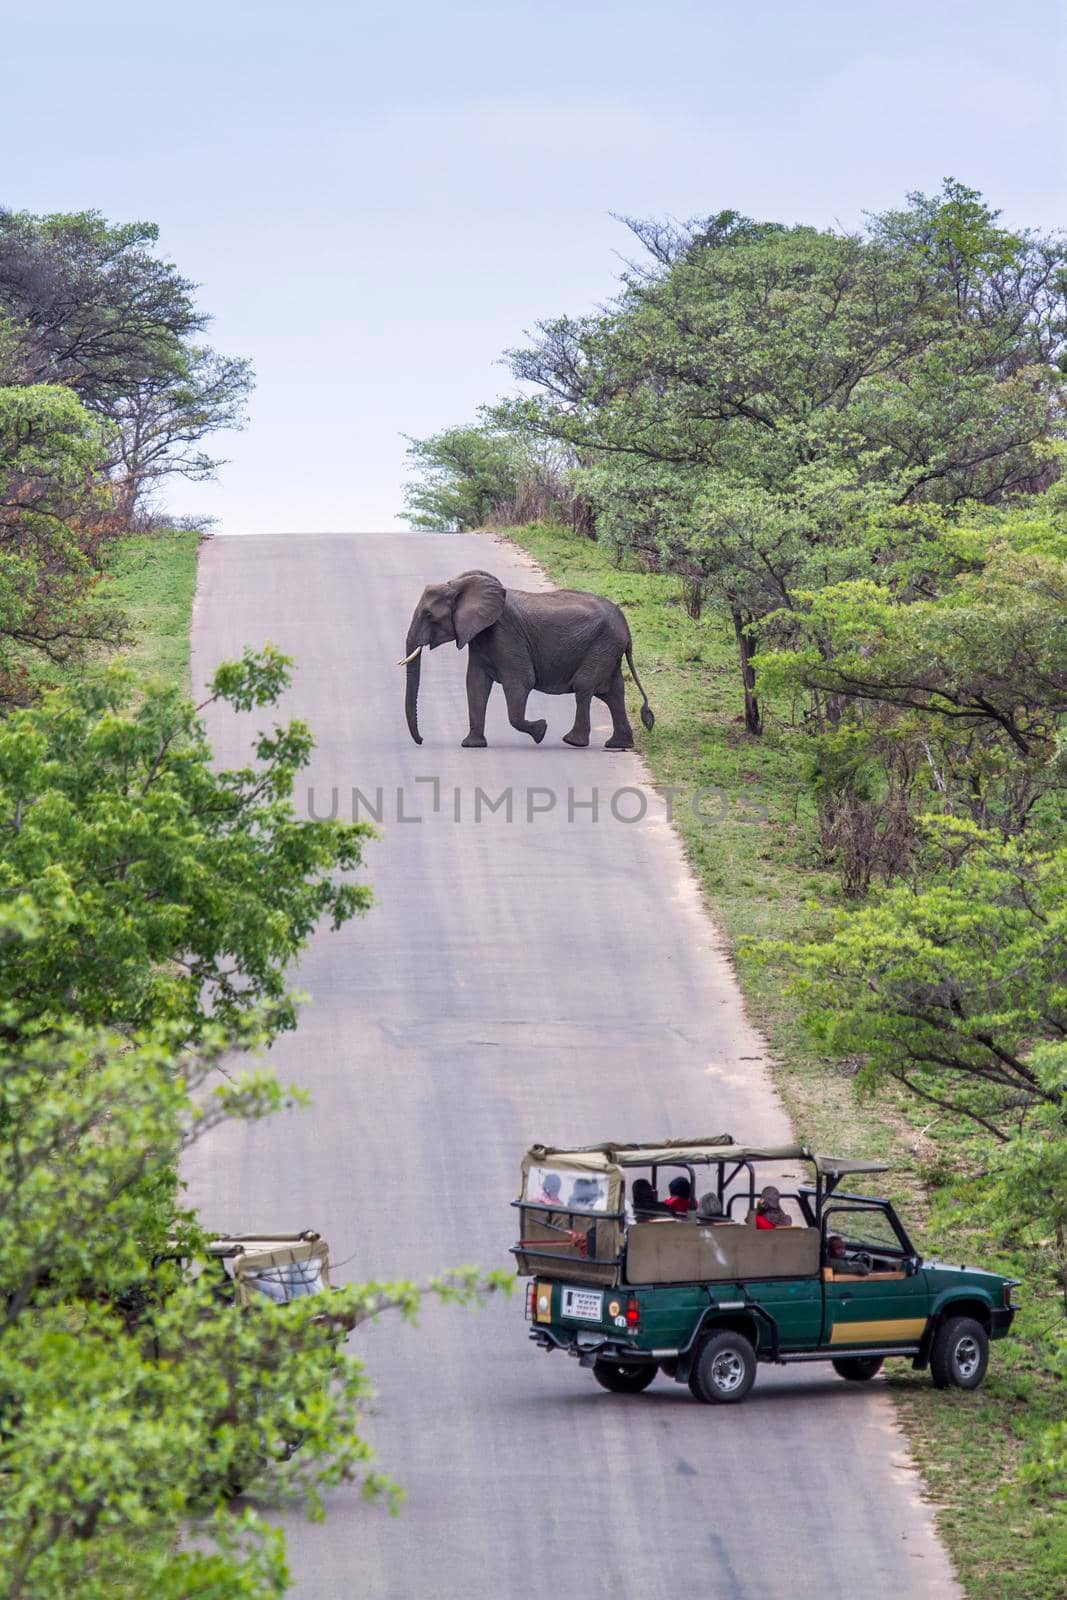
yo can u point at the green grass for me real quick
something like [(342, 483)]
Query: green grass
[(152, 578), (760, 872)]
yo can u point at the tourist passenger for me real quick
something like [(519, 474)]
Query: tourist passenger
[(681, 1199), (550, 1190), (769, 1210), (709, 1207), (645, 1204), (585, 1194)]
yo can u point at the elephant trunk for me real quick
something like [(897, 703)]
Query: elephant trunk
[(411, 697)]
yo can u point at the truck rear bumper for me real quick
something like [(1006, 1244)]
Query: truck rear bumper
[(588, 1346)]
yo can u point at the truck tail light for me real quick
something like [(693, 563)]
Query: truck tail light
[(1008, 1287), (531, 1299), (633, 1314)]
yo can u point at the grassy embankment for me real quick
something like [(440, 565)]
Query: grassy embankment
[(152, 578), (759, 871)]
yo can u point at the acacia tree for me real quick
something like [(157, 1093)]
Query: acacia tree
[(90, 305), (942, 690), (468, 477), (915, 362), (989, 653), (95, 306), (465, 473), (164, 418), (949, 988), (955, 990)]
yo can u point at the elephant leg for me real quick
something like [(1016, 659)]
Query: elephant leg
[(479, 683), (516, 695), (614, 697), (579, 734)]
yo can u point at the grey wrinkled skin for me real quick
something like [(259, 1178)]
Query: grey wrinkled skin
[(563, 642)]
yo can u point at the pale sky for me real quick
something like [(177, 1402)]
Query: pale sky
[(378, 199)]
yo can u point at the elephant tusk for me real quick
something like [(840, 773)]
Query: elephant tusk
[(411, 657)]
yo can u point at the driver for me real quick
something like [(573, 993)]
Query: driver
[(837, 1252)]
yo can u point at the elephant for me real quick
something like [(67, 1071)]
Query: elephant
[(562, 642)]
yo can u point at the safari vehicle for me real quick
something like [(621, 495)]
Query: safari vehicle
[(242, 1270), (252, 1267), (704, 1297), (248, 1269)]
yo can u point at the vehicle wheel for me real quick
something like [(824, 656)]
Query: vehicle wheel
[(623, 1377), (724, 1370), (959, 1354), (858, 1368)]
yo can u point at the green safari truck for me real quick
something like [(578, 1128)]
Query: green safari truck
[(675, 1258)]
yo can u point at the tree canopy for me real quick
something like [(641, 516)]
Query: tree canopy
[(106, 391), (161, 888), (758, 379), (54, 511), (477, 475)]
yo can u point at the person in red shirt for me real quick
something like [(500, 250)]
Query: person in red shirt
[(680, 1196), (769, 1210)]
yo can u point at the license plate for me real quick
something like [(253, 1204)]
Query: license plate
[(583, 1305)]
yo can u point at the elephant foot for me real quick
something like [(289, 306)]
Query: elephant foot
[(580, 741), (474, 741), (537, 730), (619, 742)]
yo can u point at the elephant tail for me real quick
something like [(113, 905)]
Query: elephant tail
[(647, 715)]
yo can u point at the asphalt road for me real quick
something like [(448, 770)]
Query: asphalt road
[(552, 977)]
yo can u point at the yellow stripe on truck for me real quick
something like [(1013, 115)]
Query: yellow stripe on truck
[(892, 1330)]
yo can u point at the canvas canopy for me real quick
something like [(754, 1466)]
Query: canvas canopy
[(610, 1156), (277, 1267), (839, 1166), (571, 1202)]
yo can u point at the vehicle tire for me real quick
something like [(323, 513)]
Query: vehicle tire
[(724, 1369), (624, 1377), (857, 1368), (959, 1354)]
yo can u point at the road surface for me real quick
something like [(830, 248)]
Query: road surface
[(553, 978)]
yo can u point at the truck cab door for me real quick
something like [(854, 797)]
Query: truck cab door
[(884, 1307)]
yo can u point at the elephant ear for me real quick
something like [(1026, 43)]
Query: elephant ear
[(478, 604)]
